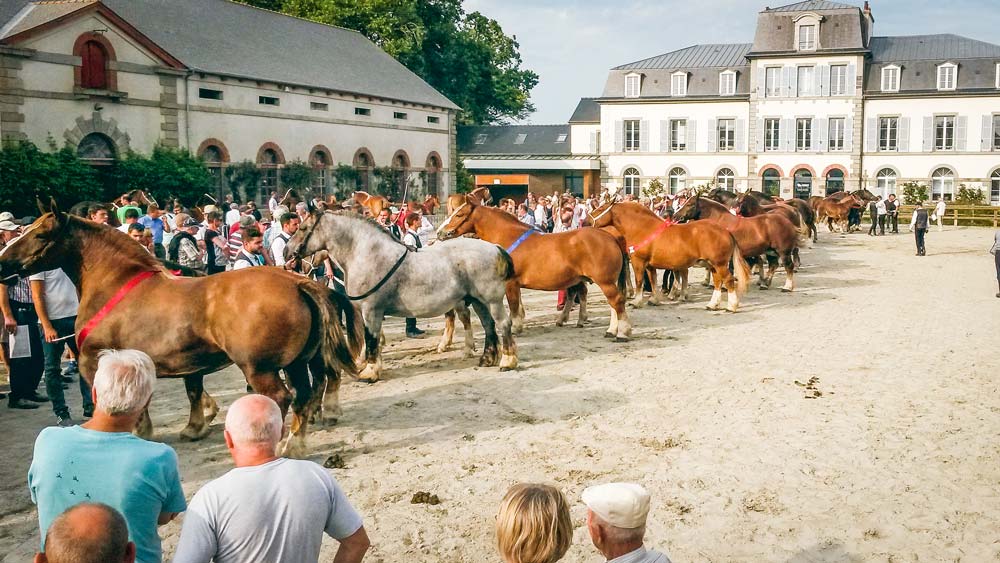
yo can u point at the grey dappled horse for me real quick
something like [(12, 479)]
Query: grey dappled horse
[(386, 277)]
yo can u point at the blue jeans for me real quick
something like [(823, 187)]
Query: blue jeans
[(53, 363)]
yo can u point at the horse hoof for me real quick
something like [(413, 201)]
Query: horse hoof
[(783, 290), (762, 287), (609, 335), (367, 380), (621, 339), (559, 323), (191, 435)]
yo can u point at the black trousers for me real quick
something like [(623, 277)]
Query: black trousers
[(881, 224), (26, 373), (996, 258), (872, 230), (918, 236)]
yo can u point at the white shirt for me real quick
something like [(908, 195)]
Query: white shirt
[(939, 209), (425, 231), (641, 555), (278, 248), (124, 228), (241, 264), (61, 300), (232, 216), (540, 215), (272, 204), (880, 208), (277, 511)]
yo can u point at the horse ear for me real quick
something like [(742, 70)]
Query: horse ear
[(43, 207)]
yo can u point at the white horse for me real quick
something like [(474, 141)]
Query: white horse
[(387, 277)]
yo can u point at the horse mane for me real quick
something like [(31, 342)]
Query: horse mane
[(111, 242), (367, 222), (504, 215)]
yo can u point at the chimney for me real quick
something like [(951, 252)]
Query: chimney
[(869, 23)]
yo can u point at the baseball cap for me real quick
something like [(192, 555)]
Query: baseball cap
[(623, 505), (190, 222), (8, 225)]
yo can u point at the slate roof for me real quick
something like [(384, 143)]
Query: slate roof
[(227, 38), (930, 47), (812, 6), (587, 111), (721, 55), (501, 140)]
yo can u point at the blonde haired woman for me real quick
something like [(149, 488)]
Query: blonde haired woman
[(533, 524)]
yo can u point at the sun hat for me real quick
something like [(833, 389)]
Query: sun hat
[(623, 505)]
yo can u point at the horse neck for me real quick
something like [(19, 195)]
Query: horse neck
[(750, 207), (99, 265), (349, 243), (493, 225), (629, 221)]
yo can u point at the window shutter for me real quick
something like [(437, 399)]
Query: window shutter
[(928, 144), (593, 142), (786, 82), (987, 134), (619, 136), (713, 135), (741, 131), (871, 136), (692, 136), (664, 136), (849, 134), (903, 134), (644, 136), (793, 82), (852, 77), (820, 134), (787, 136), (759, 141), (824, 80), (818, 79), (961, 132), (761, 81)]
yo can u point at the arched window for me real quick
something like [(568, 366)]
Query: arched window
[(96, 148), (320, 163), (885, 182), (995, 187), (676, 179), (772, 182), (726, 179), (94, 67), (212, 156), (401, 167), (834, 181), (268, 164), (803, 183), (943, 184), (363, 165), (433, 170), (630, 182)]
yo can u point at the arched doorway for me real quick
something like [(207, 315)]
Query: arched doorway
[(995, 187), (432, 180), (268, 162), (943, 184), (771, 184), (885, 182), (677, 179), (97, 149), (630, 182), (363, 164), (834, 181), (803, 183), (212, 156), (725, 179), (401, 175)]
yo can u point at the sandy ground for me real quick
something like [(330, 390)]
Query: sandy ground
[(898, 459)]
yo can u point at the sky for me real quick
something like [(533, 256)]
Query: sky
[(572, 44)]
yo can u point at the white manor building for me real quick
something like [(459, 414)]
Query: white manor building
[(227, 81), (815, 104)]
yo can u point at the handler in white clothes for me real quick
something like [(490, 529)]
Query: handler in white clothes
[(616, 520), (939, 210)]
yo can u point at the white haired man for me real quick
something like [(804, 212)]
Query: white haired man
[(235, 518), (616, 520), (89, 532), (102, 461)]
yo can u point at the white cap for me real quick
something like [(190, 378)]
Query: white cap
[(623, 505)]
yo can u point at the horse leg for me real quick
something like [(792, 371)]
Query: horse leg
[(508, 348), (197, 427), (209, 406), (470, 340), (516, 307), (656, 295), (639, 266), (708, 278), (303, 403), (491, 353), (683, 274), (449, 332), (325, 391), (567, 306), (789, 263), (373, 348), (620, 328), (721, 274), (772, 266), (581, 320)]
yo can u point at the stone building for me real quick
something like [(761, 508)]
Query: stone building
[(227, 81)]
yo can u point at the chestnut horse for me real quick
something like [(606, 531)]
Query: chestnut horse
[(765, 234), (127, 300), (654, 243), (749, 206), (837, 210), (479, 196), (550, 262), (373, 203)]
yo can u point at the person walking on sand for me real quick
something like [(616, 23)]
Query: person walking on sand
[(919, 224), (939, 210), (995, 251)]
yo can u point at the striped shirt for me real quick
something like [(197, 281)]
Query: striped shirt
[(20, 292)]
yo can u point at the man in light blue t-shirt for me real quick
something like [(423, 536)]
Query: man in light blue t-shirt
[(103, 462), (153, 221)]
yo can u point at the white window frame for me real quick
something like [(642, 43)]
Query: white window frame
[(836, 133), (888, 73), (727, 78), (948, 123), (772, 88), (725, 178), (803, 134), (678, 135), (726, 132), (802, 44), (631, 143), (885, 181), (891, 139), (835, 88), (805, 88), (943, 184), (682, 82), (676, 182), (634, 179), (633, 85), (775, 144), (954, 77), (995, 140)]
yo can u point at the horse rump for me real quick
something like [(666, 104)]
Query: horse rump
[(341, 344)]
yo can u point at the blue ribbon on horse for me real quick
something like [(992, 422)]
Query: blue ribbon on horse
[(518, 242)]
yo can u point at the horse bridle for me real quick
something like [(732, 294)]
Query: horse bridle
[(602, 213), (450, 217)]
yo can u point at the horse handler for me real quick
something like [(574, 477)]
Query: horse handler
[(919, 223)]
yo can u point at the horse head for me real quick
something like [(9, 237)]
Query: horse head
[(299, 245), (458, 221), (40, 247), (690, 211), (601, 215)]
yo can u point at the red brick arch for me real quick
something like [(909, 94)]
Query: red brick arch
[(405, 156), (364, 151), (427, 162), (826, 171), (275, 148), (798, 167), (213, 142), (325, 150), (100, 39), (766, 167)]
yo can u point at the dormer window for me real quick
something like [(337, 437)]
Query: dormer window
[(727, 83), (807, 32), (947, 75), (678, 84), (807, 38), (890, 79), (632, 85)]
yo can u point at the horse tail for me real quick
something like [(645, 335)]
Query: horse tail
[(505, 265), (740, 267), (623, 274), (341, 344)]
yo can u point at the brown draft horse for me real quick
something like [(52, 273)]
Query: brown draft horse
[(837, 210), (677, 248), (185, 324), (749, 206), (550, 262), (374, 204), (768, 234), (479, 196)]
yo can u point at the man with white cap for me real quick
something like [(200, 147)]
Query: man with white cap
[(616, 520)]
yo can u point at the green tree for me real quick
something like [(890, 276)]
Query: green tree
[(914, 193), (296, 175), (464, 182), (345, 177), (465, 56), (27, 173), (243, 179), (970, 196), (165, 174)]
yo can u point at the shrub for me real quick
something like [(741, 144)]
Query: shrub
[(27, 173), (165, 174), (968, 196), (653, 189), (296, 175), (914, 193), (243, 179)]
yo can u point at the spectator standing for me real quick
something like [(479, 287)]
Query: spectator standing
[(525, 217), (384, 220), (233, 215), (56, 305), (157, 226), (252, 210), (102, 461), (131, 217), (289, 226), (995, 251), (89, 532), (892, 213), (302, 210), (17, 305), (126, 204), (533, 525), (881, 210), (236, 236), (919, 225), (268, 508), (216, 249), (616, 521), (272, 204), (873, 212), (183, 247), (138, 233), (249, 255), (98, 214), (939, 210), (541, 217), (412, 238)]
